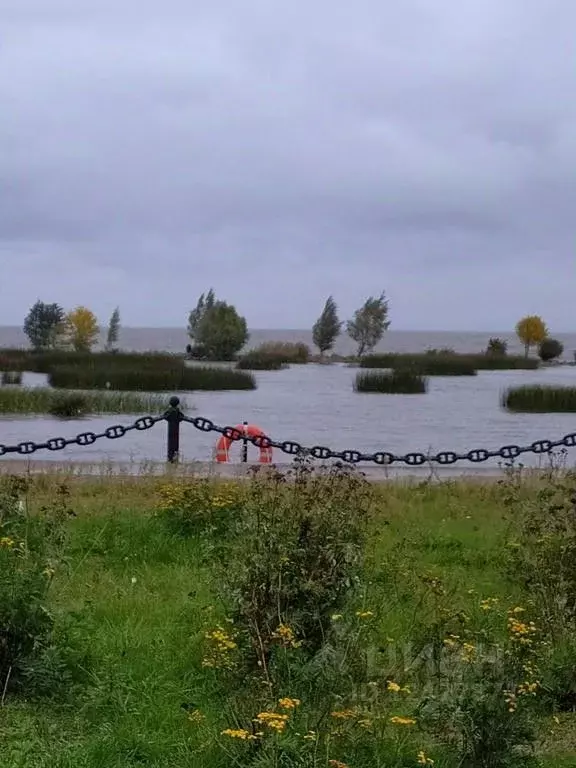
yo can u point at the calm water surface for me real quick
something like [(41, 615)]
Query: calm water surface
[(315, 404)]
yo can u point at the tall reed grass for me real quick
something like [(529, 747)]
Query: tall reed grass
[(47, 401), (45, 362), (539, 398), (425, 365), (181, 379), (398, 382)]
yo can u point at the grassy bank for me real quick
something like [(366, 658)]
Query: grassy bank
[(540, 399), (19, 400), (141, 612)]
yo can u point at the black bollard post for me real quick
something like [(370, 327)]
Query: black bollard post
[(244, 444), (173, 416)]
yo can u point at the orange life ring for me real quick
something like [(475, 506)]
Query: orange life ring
[(250, 430)]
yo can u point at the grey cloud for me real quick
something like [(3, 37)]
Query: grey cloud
[(296, 151)]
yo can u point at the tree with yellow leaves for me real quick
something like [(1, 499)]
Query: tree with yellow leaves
[(531, 330), (82, 329)]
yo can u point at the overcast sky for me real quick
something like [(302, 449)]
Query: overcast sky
[(280, 152)]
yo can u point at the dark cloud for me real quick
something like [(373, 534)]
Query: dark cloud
[(422, 146)]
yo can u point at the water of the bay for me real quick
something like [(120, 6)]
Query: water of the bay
[(316, 404)]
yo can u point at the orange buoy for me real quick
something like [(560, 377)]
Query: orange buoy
[(250, 430)]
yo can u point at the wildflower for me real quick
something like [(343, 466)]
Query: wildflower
[(451, 640), (48, 572), (286, 635), (238, 733), (518, 609), (343, 714), (489, 603), (422, 759), (196, 716), (273, 720), (510, 699), (336, 616), (310, 736), (364, 614), (6, 542), (528, 689), (133, 580), (398, 720), (221, 646), (365, 723), (392, 686), (468, 652), (337, 764), (288, 703)]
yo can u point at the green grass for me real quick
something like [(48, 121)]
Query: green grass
[(181, 379), (397, 382), (138, 598), (540, 399), (45, 401)]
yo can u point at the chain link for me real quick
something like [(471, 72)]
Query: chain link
[(293, 448), (84, 438)]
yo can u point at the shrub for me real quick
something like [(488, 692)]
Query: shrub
[(11, 378), (538, 398), (295, 556), (550, 349), (496, 346), (30, 548), (286, 351), (399, 382), (542, 558), (169, 380)]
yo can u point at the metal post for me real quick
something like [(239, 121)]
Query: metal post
[(244, 444), (173, 416)]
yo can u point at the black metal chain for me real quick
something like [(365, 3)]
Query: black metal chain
[(84, 438), (416, 459), (291, 447)]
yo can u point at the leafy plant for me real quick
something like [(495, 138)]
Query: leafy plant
[(327, 328), (550, 349), (531, 330), (369, 323)]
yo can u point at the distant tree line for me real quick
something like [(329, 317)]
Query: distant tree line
[(49, 327), (218, 332)]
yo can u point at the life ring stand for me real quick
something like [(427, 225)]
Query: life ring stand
[(250, 431)]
